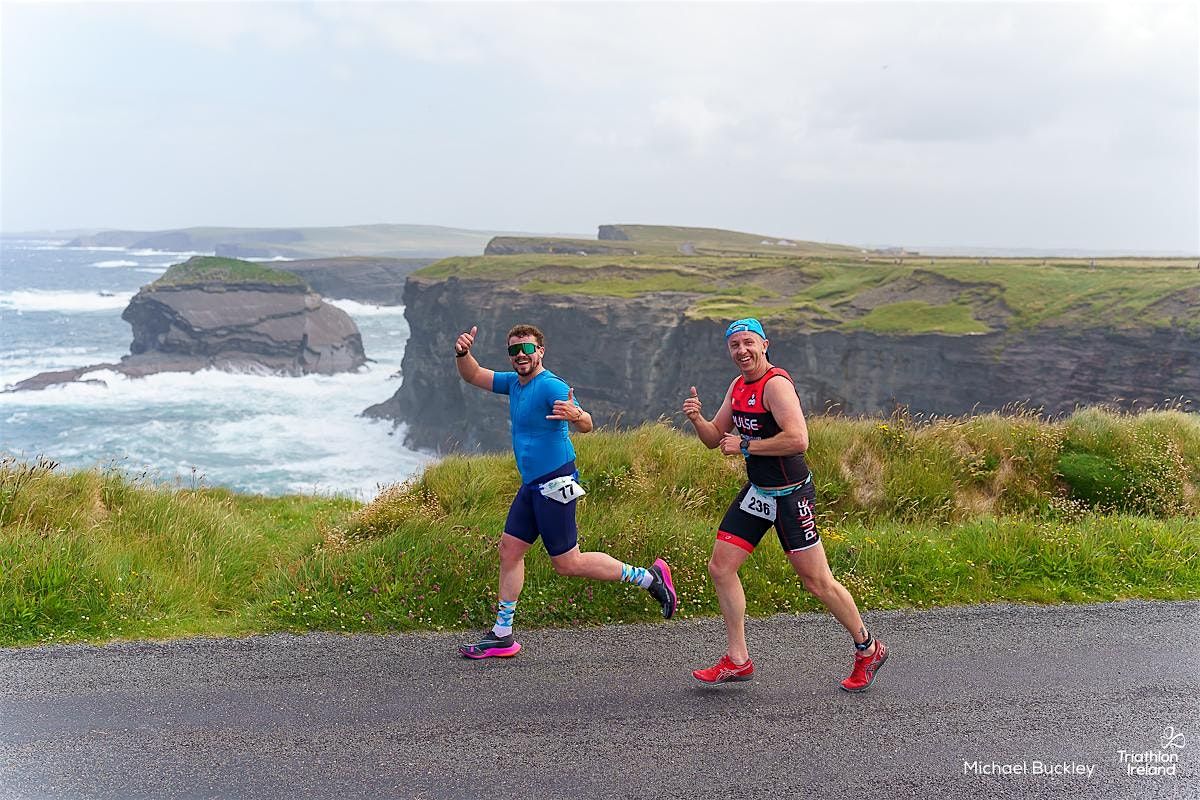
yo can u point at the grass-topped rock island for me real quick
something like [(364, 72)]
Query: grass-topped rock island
[(225, 313)]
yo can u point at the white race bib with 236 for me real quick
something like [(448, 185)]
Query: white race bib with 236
[(758, 504)]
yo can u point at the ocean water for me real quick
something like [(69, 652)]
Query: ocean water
[(61, 307)]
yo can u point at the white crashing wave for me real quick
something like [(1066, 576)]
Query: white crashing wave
[(64, 301), (34, 244), (111, 264), (356, 309), (148, 252), (141, 251), (256, 433), (18, 364)]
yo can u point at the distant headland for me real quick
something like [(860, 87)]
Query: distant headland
[(397, 241)]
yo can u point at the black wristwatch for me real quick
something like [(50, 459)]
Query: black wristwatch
[(745, 446)]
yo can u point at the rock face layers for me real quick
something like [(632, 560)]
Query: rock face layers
[(634, 360), (282, 329)]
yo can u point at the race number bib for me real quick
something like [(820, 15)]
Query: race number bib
[(564, 489), (758, 504)]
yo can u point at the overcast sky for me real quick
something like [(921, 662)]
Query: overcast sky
[(990, 125)]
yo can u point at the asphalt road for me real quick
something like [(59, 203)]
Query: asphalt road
[(613, 712)]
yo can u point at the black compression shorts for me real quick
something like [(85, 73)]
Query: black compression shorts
[(793, 522)]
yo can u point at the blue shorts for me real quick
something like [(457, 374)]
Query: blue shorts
[(532, 515)]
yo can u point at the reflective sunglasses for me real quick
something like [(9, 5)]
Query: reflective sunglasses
[(528, 348)]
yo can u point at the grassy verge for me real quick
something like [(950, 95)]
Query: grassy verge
[(1095, 507)]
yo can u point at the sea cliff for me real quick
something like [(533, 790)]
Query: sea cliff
[(633, 358)]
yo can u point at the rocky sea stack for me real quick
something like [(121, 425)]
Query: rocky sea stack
[(229, 314), (233, 314)]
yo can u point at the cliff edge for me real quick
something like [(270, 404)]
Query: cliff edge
[(947, 338)]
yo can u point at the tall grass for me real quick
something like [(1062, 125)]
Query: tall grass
[(913, 513)]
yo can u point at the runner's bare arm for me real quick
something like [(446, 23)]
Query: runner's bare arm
[(468, 368), (781, 400), (710, 432)]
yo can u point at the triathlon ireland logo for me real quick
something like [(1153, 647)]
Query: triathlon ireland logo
[(1163, 761), (1172, 739)]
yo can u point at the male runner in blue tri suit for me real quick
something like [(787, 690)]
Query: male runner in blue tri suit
[(761, 420), (541, 407)]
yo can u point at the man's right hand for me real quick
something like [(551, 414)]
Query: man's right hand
[(691, 406), (463, 344)]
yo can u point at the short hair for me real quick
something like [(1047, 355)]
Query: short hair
[(527, 330)]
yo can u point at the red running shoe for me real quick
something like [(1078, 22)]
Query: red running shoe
[(724, 671), (865, 668)]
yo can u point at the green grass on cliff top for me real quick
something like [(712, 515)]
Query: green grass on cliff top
[(1094, 507), (210, 269), (914, 316), (973, 295)]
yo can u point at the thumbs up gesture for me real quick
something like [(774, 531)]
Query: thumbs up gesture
[(566, 409), (691, 406), (462, 345)]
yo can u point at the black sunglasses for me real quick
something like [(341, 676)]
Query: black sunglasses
[(528, 348)]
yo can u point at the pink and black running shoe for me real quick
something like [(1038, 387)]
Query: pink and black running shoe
[(663, 590), (491, 646)]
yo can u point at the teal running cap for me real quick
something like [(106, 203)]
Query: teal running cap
[(748, 324)]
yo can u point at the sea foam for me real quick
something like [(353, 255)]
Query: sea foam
[(255, 433), (356, 309), (64, 301)]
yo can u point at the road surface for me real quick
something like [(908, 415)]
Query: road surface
[(991, 701)]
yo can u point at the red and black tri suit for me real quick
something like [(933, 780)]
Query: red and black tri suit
[(787, 478)]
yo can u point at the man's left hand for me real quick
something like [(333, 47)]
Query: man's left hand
[(566, 409), (731, 444)]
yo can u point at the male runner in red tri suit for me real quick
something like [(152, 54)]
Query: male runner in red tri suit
[(762, 421)]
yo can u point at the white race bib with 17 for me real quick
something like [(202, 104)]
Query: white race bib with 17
[(564, 489)]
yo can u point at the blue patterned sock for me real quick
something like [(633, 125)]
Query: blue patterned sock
[(637, 575), (504, 617)]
